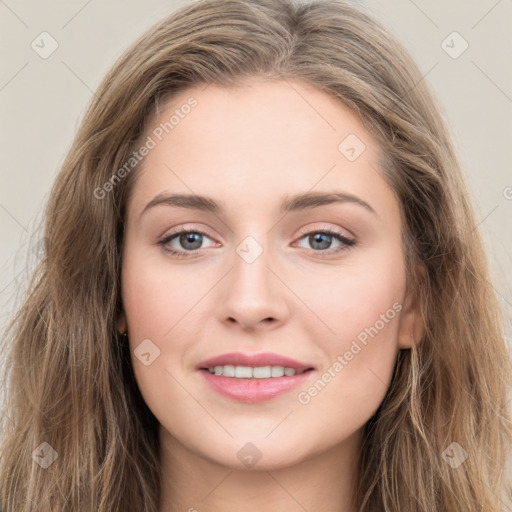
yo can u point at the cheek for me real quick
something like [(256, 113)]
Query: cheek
[(163, 309), (361, 308), (158, 306), (354, 297), (158, 298)]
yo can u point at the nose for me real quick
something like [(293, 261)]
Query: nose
[(252, 295)]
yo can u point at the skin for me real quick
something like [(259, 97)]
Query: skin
[(248, 148)]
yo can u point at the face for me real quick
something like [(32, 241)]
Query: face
[(301, 258)]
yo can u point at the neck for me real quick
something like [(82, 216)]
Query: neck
[(321, 482)]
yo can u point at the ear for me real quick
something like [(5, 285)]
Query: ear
[(411, 328), (121, 322)]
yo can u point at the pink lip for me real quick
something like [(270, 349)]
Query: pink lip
[(263, 359), (253, 390)]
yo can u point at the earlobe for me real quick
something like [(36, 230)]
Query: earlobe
[(121, 323), (411, 327)]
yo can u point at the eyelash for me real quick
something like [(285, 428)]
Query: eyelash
[(348, 242)]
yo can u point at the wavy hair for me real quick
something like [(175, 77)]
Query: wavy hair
[(69, 381)]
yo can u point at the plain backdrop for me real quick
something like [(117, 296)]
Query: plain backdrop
[(42, 101)]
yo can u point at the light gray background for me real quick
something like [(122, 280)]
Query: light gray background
[(43, 100)]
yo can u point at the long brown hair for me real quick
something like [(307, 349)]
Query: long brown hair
[(69, 381)]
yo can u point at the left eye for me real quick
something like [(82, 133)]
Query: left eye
[(323, 240)]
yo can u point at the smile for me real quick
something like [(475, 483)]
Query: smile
[(256, 372)]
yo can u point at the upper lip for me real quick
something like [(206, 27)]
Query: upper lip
[(262, 359)]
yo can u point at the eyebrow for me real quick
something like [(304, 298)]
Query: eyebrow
[(297, 202)]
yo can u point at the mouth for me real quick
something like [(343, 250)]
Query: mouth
[(254, 378), (254, 372), (260, 366)]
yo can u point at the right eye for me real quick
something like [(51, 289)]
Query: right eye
[(189, 240)]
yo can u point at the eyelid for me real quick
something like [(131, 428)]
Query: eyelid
[(186, 227), (325, 227)]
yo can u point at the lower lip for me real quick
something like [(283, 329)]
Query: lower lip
[(254, 390)]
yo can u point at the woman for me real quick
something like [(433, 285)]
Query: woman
[(256, 368)]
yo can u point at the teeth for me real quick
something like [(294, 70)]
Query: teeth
[(257, 372), (243, 372)]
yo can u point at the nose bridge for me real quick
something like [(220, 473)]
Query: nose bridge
[(250, 272), (252, 293)]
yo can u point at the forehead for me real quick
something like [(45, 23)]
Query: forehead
[(290, 109), (261, 140)]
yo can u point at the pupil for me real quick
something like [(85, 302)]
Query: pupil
[(321, 237), (191, 238)]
